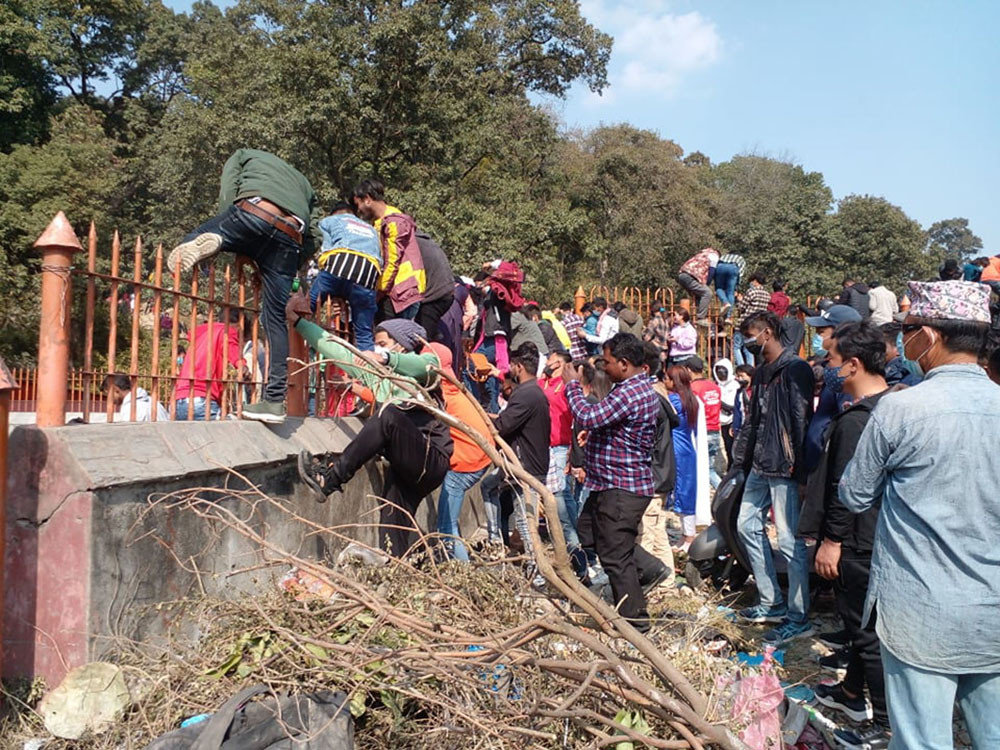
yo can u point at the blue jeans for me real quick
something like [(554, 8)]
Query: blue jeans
[(453, 489), (199, 408), (714, 440), (492, 385), (565, 499), (921, 703), (361, 299), (741, 355), (759, 494), (277, 258), (727, 276), (490, 491)]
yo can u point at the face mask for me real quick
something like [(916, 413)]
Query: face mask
[(380, 350), (922, 354), (547, 372), (753, 346), (833, 380), (817, 345)]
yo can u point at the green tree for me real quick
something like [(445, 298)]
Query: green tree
[(27, 89), (875, 239), (775, 214), (952, 238)]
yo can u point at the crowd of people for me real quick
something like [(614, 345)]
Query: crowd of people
[(869, 445)]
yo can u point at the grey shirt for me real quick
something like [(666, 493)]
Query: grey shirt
[(930, 452)]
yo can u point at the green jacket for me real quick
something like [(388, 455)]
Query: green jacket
[(416, 367), (250, 172)]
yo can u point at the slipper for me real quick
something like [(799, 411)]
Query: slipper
[(307, 460)]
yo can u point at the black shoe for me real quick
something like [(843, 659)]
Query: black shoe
[(662, 573), (833, 696), (835, 662), (317, 476), (835, 640), (871, 736)]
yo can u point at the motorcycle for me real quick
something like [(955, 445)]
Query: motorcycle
[(717, 555)]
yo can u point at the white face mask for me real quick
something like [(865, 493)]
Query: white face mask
[(381, 350)]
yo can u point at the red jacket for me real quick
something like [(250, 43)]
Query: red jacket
[(779, 303)]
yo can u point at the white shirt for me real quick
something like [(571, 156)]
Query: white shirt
[(143, 407), (882, 302)]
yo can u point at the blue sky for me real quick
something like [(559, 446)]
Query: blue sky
[(895, 99), (899, 99)]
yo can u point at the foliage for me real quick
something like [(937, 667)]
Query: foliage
[(952, 238)]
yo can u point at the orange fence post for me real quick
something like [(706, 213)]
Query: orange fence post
[(298, 375), (57, 244), (578, 299)]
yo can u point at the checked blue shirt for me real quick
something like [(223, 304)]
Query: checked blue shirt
[(622, 429)]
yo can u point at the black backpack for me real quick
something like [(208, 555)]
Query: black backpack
[(664, 460)]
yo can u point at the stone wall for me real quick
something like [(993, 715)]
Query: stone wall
[(89, 557)]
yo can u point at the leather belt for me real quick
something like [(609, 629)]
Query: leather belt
[(278, 222)]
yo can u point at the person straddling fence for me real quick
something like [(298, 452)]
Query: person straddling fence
[(268, 212), (350, 263), (417, 446), (695, 276), (403, 281)]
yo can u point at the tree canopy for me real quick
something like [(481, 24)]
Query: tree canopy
[(123, 111)]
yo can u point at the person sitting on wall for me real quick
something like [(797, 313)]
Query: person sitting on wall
[(417, 446)]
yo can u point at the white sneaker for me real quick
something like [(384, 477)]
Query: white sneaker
[(194, 251)]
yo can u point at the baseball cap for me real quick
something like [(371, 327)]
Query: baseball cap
[(694, 363), (834, 316)]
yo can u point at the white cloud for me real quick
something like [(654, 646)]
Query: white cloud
[(654, 50)]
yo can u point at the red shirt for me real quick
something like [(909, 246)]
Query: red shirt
[(560, 417), (779, 303), (711, 397), (197, 359)]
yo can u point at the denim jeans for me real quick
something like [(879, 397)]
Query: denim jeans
[(760, 494), (277, 258), (199, 408), (361, 300), (921, 703), (386, 311), (453, 489), (565, 500), (741, 355), (727, 276), (714, 440), (492, 385), (490, 491)]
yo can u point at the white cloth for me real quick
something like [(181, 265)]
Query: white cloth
[(703, 502), (143, 408), (607, 326), (883, 305), (729, 386)]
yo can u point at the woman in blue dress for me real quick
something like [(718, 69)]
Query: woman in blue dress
[(685, 403)]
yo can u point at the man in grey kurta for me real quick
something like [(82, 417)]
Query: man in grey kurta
[(930, 452)]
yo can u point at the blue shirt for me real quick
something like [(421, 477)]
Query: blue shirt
[(931, 452), (351, 249)]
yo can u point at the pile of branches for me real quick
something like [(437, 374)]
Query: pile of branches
[(432, 653)]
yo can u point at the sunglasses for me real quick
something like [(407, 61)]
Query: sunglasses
[(910, 327)]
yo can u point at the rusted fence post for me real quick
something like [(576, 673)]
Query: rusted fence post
[(298, 375), (57, 245)]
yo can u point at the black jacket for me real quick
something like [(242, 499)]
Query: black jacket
[(437, 269), (772, 440), (551, 338), (664, 459), (856, 296), (823, 516), (525, 424)]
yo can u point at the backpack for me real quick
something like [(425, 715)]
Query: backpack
[(664, 460)]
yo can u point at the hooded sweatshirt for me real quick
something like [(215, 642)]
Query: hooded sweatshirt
[(730, 388)]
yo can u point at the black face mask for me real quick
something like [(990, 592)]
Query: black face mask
[(547, 372), (754, 347)]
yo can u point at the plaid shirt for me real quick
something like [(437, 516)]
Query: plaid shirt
[(736, 260), (755, 299), (622, 428), (658, 332), (573, 323)]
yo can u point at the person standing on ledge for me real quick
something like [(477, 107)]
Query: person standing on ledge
[(268, 212)]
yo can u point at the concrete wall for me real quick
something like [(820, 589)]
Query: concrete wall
[(89, 556)]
